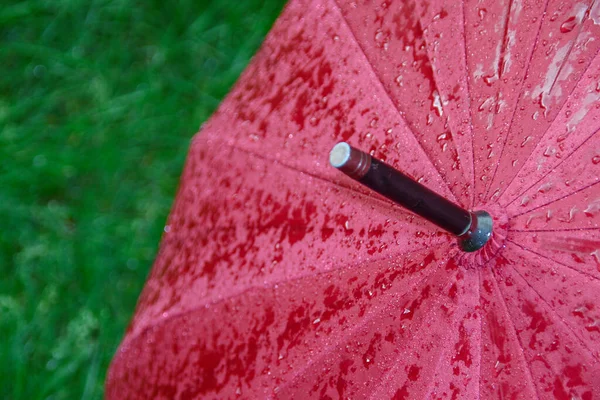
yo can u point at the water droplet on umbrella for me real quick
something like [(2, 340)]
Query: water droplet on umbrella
[(437, 103), (489, 79), (596, 160), (482, 12), (550, 151), (572, 213), (485, 103), (525, 200), (568, 25), (527, 139), (429, 119), (596, 255), (498, 366), (545, 188), (592, 208), (529, 220)]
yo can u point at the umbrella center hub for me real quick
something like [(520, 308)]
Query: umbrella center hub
[(497, 241)]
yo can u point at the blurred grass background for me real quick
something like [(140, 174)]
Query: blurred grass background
[(98, 102)]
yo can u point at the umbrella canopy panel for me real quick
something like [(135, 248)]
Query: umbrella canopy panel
[(280, 277)]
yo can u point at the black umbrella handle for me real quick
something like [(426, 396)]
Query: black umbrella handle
[(473, 229)]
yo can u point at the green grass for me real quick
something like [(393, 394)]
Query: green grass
[(98, 102)]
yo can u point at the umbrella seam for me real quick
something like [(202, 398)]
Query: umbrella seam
[(470, 195), (367, 194), (525, 74), (556, 230), (389, 96), (480, 331), (553, 311), (549, 125), (498, 74), (551, 171), (556, 261), (514, 329), (270, 285), (556, 200), (395, 364), (356, 328), (439, 361), (468, 73)]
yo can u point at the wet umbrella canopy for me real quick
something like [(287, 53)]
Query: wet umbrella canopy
[(280, 276)]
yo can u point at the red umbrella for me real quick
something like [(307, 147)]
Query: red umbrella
[(279, 276)]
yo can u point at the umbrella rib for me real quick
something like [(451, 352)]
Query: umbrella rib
[(555, 261), (389, 96), (556, 230), (269, 285), (498, 75), (437, 88), (470, 102), (558, 199), (552, 170), (368, 194), (512, 118), (480, 330), (546, 132), (565, 323), (397, 364), (446, 341), (350, 332), (529, 374)]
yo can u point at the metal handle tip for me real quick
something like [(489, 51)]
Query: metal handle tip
[(339, 155), (350, 161)]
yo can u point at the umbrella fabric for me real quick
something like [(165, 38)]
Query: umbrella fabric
[(278, 276)]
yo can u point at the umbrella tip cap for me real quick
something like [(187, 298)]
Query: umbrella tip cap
[(340, 155), (349, 160)]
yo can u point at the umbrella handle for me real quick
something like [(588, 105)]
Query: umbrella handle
[(473, 229)]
